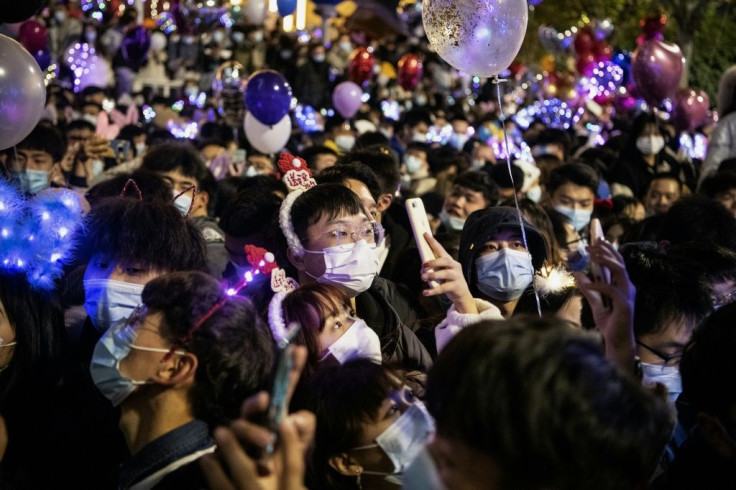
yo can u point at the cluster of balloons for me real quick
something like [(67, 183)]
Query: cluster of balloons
[(590, 51), (268, 100)]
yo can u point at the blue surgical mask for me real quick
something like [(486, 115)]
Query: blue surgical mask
[(579, 218), (183, 203), (32, 181), (97, 167), (108, 302), (504, 275), (458, 140), (579, 260), (251, 171), (111, 349), (413, 163), (669, 376), (422, 474), (452, 223)]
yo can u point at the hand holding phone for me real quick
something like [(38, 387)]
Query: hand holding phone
[(420, 226), (600, 273)]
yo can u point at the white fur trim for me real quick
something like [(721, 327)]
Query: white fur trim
[(454, 321), (276, 316), (295, 245)]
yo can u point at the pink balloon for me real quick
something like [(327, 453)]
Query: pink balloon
[(347, 99), (691, 109), (657, 68), (32, 35), (22, 93)]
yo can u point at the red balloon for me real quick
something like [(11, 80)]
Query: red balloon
[(691, 109), (603, 52), (32, 35), (657, 68), (652, 27), (517, 69), (360, 67), (410, 71), (584, 41), (585, 64)]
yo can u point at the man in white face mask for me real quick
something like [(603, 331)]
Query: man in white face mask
[(192, 185), (470, 191), (339, 244)]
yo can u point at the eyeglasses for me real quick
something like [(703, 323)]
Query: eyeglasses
[(342, 234), (669, 359)]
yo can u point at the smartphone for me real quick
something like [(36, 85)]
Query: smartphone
[(420, 226), (599, 272), (237, 157), (278, 395)]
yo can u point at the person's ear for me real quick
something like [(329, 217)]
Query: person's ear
[(295, 259), (716, 435), (345, 465), (203, 198), (664, 246), (176, 370), (384, 201)]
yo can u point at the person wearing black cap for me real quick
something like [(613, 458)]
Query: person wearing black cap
[(493, 271)]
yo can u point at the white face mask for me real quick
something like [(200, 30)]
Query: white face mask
[(108, 302), (351, 267), (669, 376), (218, 37), (140, 148), (345, 142), (419, 137), (318, 58), (60, 16), (258, 36), (97, 167), (478, 163), (183, 203), (90, 118), (358, 342), (650, 145), (413, 164), (535, 193), (91, 37), (346, 46), (403, 440), (451, 222)]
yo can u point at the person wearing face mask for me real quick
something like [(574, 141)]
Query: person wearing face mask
[(311, 84), (35, 165), (249, 48), (339, 55), (178, 367), (413, 127), (460, 127), (333, 241), (572, 189), (496, 265), (664, 318), (339, 135), (506, 393), (370, 425), (644, 155), (330, 330), (470, 192), (193, 192), (62, 29), (416, 178)]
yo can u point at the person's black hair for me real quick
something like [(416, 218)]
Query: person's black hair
[(538, 216), (335, 122), (419, 146), (442, 158), (557, 220), (329, 200), (553, 136), (708, 366), (130, 131), (500, 387), (78, 124), (718, 263), (621, 202), (370, 139), (47, 138), (215, 133), (310, 154), (339, 174), (575, 173), (151, 234), (235, 350), (249, 213), (717, 183), (38, 322), (667, 176), (697, 218), (152, 186), (159, 136), (182, 157), (478, 181), (414, 117), (668, 289), (500, 175), (343, 399), (602, 157), (383, 164), (727, 165)]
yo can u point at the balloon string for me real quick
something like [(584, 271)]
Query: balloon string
[(497, 82)]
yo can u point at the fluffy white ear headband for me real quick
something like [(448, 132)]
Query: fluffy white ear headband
[(298, 179)]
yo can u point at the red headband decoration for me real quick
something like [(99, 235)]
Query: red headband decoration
[(296, 173)]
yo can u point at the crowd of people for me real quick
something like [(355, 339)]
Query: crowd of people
[(204, 315)]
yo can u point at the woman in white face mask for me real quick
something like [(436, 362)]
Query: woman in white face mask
[(370, 426), (330, 330)]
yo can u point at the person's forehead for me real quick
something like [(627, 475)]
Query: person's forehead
[(33, 153), (177, 177), (360, 189), (572, 189), (344, 218), (665, 184)]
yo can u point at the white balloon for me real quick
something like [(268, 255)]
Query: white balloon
[(255, 11), (158, 41), (267, 139)]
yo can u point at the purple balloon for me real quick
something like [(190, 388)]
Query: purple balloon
[(43, 58), (347, 99), (657, 68), (22, 92), (691, 109), (268, 96)]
